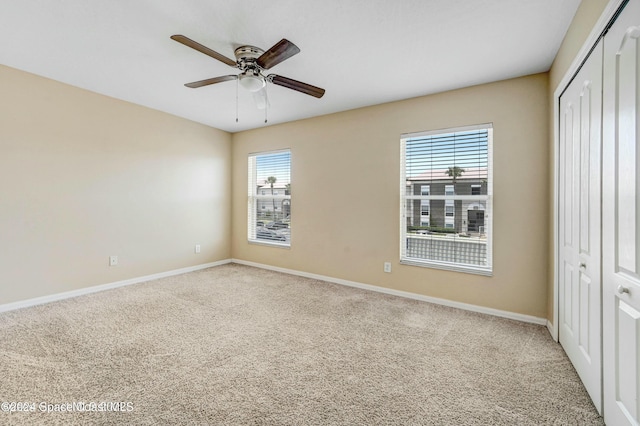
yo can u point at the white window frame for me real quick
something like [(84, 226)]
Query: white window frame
[(487, 200), (255, 199)]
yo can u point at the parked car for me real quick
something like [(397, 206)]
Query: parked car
[(267, 234), (276, 225)]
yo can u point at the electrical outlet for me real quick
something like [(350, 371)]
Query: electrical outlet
[(387, 267), (197, 249), (113, 260)]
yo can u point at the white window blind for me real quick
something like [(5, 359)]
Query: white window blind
[(456, 166), (269, 203)]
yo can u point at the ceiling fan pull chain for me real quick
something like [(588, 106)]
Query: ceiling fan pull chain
[(237, 84), (266, 104)]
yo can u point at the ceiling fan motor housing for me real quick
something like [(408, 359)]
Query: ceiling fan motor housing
[(251, 77)]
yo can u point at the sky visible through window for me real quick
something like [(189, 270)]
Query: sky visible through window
[(465, 149), (277, 164)]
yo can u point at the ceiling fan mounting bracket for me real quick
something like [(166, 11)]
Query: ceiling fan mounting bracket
[(248, 52)]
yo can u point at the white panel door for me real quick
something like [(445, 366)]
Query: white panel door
[(621, 219), (580, 225)]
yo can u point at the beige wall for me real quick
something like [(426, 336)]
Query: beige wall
[(84, 176), (583, 22), (345, 189)]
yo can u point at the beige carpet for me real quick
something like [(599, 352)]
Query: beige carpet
[(241, 346)]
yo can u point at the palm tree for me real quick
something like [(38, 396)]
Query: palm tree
[(455, 172), (271, 180)]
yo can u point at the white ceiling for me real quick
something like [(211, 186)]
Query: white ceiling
[(363, 52)]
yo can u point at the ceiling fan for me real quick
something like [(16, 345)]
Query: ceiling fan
[(252, 62)]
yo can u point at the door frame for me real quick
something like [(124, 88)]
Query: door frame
[(608, 14)]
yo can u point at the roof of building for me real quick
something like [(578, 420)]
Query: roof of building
[(470, 173), (262, 185)]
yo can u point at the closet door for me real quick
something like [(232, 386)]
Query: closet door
[(621, 219), (579, 224)]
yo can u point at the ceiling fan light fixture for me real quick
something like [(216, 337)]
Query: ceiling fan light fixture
[(252, 82)]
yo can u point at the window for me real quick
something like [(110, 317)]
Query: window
[(269, 211), (449, 214), (446, 185), (448, 190), (424, 213)]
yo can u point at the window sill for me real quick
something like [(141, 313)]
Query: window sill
[(467, 269), (270, 244)]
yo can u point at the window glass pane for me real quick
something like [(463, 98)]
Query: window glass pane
[(269, 205), (446, 187)]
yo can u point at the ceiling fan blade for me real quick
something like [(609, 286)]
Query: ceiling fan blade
[(296, 85), (209, 81), (280, 51), (203, 49)]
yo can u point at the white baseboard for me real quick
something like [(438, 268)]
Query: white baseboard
[(88, 290), (459, 305), (552, 330), (435, 300)]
